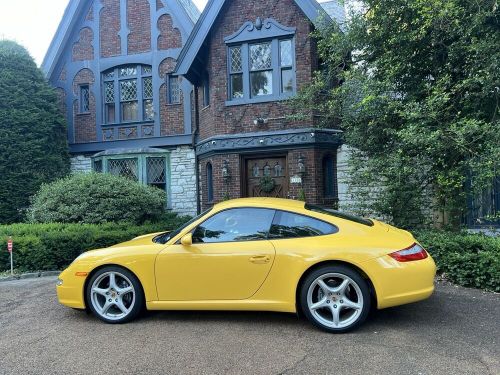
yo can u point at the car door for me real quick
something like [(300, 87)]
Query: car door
[(229, 259)]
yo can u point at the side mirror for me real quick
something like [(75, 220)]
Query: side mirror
[(187, 240)]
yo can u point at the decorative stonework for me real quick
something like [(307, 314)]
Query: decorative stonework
[(263, 140), (183, 180), (269, 28)]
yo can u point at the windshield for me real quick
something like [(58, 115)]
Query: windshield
[(167, 236), (342, 215)]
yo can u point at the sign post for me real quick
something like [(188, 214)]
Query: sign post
[(9, 249)]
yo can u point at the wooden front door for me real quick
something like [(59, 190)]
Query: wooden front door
[(266, 177)]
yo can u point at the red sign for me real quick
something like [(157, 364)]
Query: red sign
[(9, 245)]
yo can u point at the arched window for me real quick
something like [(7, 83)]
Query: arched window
[(210, 183), (128, 94), (329, 177)]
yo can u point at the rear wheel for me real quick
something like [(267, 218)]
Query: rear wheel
[(115, 295), (335, 298)]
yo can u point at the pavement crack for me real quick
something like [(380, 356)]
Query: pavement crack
[(295, 365)]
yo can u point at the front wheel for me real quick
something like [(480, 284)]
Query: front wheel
[(335, 298), (115, 295)]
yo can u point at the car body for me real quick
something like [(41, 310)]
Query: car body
[(226, 259)]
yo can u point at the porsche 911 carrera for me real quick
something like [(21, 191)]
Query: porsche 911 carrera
[(260, 254)]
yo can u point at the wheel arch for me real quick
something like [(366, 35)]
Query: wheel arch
[(99, 267), (333, 262)]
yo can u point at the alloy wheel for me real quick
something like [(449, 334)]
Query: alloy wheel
[(112, 295), (335, 300)]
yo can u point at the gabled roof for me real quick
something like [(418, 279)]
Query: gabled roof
[(191, 50), (72, 15)]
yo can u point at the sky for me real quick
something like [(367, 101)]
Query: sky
[(33, 23)]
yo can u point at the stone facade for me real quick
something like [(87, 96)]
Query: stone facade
[(183, 180), (81, 164)]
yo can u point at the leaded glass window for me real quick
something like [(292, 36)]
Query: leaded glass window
[(174, 92), (286, 66), (84, 99), (260, 70), (150, 169), (124, 167), (236, 72), (156, 172), (128, 94)]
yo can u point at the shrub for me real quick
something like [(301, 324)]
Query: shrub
[(33, 143), (54, 246), (471, 260), (96, 198)]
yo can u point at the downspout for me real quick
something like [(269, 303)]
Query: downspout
[(194, 139)]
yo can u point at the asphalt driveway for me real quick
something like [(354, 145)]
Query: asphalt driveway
[(456, 331)]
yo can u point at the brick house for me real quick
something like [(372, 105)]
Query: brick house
[(195, 103)]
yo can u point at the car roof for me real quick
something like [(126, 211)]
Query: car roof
[(261, 202)]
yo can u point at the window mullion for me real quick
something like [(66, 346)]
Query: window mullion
[(276, 68), (246, 70), (140, 95), (118, 109)]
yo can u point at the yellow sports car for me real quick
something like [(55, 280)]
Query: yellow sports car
[(256, 254)]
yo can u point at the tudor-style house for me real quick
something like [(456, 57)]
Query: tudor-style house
[(195, 104)]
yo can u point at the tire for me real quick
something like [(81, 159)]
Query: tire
[(335, 298), (114, 295)]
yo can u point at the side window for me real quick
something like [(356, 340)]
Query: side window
[(289, 225), (238, 224)]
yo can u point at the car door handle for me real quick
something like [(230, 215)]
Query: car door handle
[(259, 259)]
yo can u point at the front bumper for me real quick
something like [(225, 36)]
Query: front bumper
[(397, 283), (70, 292)]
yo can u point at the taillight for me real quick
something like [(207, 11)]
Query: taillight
[(414, 252)]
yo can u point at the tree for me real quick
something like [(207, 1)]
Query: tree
[(415, 85), (33, 145)]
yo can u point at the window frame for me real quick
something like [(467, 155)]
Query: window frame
[(330, 179), (337, 229), (139, 77), (142, 165), (276, 70), (168, 85), (210, 182), (234, 208), (81, 109)]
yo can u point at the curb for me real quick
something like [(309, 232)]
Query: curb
[(31, 275)]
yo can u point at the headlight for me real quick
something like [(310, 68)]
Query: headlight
[(59, 282)]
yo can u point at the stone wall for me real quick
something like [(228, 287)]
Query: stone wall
[(183, 180), (81, 163)]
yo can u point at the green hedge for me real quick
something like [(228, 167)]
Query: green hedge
[(466, 259), (54, 246), (96, 198)]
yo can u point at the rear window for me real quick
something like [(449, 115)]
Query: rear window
[(341, 215), (291, 225)]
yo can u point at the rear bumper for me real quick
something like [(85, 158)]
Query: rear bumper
[(397, 283), (70, 293)]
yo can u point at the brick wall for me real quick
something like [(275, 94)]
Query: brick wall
[(139, 24), (312, 180), (84, 123), (109, 20), (170, 37), (83, 49), (219, 119), (171, 115)]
